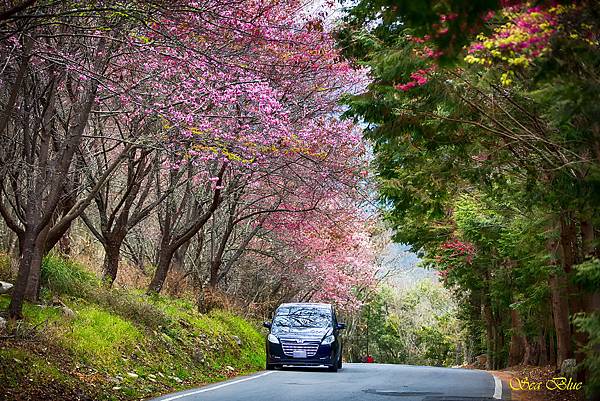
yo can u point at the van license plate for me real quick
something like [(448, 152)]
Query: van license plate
[(300, 353)]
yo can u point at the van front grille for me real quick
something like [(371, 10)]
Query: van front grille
[(289, 346)]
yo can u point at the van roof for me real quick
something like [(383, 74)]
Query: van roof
[(320, 305)]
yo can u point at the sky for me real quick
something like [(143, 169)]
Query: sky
[(401, 266)]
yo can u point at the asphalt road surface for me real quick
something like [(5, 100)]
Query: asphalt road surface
[(359, 382)]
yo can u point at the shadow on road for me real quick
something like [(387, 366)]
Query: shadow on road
[(307, 369)]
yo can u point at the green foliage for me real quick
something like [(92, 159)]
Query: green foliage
[(588, 274), (438, 343), (588, 277), (6, 273), (100, 337), (63, 276), (34, 315), (194, 349), (418, 326), (250, 355), (120, 334), (437, 337), (386, 18), (131, 305), (590, 324)]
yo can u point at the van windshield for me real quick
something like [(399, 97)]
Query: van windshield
[(298, 316)]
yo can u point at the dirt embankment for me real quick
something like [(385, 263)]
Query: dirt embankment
[(536, 383)]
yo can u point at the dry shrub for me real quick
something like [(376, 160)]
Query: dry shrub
[(134, 307), (211, 298), (132, 276), (178, 284), (91, 262), (128, 276)]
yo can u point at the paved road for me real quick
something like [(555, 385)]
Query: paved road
[(355, 382)]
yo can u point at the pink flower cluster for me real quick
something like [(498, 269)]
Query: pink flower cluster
[(418, 78), (525, 35), (254, 83), (453, 252), (460, 249), (332, 241)]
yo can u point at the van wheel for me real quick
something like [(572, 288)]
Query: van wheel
[(333, 368), (270, 366), (339, 365)]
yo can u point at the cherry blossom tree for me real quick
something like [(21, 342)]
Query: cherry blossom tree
[(225, 91)]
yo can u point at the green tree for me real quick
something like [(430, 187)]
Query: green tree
[(496, 151)]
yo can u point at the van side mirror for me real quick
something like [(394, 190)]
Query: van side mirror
[(341, 326), (267, 324)]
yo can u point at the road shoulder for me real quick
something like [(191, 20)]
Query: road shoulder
[(504, 378), (534, 375)]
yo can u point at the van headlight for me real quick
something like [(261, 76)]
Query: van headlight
[(328, 340), (273, 339)]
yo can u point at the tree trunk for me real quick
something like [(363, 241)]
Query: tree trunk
[(217, 261), (489, 330), (110, 267), (16, 86), (164, 262), (498, 360), (526, 358), (543, 360), (568, 252), (517, 340), (560, 303), (60, 237), (552, 349), (170, 242), (534, 353), (32, 291), (18, 294), (46, 185), (591, 301), (215, 264), (176, 279), (560, 311), (587, 238), (570, 256), (178, 262)]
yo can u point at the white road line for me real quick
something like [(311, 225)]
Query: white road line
[(497, 388), (204, 390)]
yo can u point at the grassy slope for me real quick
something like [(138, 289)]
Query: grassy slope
[(119, 344)]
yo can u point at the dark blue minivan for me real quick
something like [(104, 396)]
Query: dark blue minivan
[(304, 334)]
